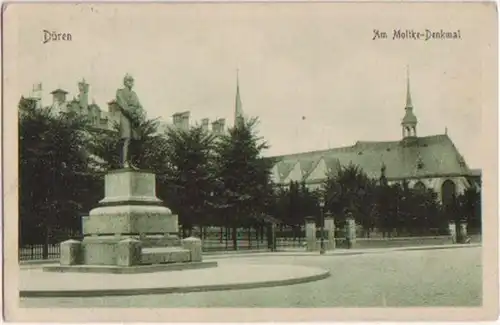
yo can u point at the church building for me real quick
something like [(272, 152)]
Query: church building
[(423, 161)]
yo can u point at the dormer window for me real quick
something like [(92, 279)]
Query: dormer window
[(461, 161), (420, 163)]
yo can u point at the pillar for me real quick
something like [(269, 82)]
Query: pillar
[(452, 229), (273, 236), (463, 231), (351, 231), (311, 235), (330, 232)]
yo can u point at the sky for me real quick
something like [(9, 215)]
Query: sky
[(312, 74)]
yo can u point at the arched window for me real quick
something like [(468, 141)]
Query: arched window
[(448, 192), (419, 186)]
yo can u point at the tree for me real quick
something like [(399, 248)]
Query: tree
[(54, 173), (243, 185), (189, 177), (470, 207), (351, 190)]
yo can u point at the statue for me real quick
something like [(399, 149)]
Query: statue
[(131, 114)]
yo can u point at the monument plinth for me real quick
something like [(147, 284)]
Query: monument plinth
[(130, 209), (129, 228)]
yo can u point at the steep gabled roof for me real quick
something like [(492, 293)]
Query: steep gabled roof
[(284, 168), (306, 166), (295, 174), (419, 157)]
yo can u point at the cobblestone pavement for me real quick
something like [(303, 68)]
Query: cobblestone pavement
[(449, 277)]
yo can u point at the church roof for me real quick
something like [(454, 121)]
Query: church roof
[(420, 157)]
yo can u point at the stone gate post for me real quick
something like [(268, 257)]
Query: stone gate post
[(330, 231), (311, 234), (452, 229)]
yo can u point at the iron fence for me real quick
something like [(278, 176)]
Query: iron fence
[(35, 252), (217, 239)]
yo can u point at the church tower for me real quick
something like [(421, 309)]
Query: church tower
[(409, 123)]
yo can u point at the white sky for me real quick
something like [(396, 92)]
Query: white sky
[(318, 61)]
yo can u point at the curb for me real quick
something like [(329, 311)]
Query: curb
[(444, 247), (167, 290), (345, 252)]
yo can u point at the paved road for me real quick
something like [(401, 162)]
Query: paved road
[(448, 277)]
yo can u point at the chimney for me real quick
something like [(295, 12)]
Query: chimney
[(185, 121), (113, 116), (181, 120), (59, 96), (204, 124), (218, 126), (83, 94)]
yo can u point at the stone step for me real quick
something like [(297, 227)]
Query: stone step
[(158, 255)]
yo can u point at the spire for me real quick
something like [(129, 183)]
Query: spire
[(408, 93), (409, 122), (238, 111)]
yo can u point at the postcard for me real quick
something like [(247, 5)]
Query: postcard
[(250, 161)]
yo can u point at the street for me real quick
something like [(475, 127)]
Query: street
[(439, 277)]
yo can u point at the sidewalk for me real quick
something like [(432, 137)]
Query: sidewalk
[(335, 252)]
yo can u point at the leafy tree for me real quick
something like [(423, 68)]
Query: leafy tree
[(351, 190), (295, 203), (470, 207), (243, 175), (187, 183), (54, 173)]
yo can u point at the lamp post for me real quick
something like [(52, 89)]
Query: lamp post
[(322, 205)]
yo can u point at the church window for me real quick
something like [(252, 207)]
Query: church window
[(448, 192), (419, 186)]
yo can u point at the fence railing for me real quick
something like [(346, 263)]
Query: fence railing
[(35, 252), (215, 240)]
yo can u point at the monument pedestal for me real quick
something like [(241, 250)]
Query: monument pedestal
[(130, 227)]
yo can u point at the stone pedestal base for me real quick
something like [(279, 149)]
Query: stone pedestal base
[(130, 228), (128, 252), (193, 245)]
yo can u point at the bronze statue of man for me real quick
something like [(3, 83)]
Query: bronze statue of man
[(131, 113)]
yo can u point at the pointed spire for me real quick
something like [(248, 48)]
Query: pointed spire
[(409, 122), (238, 110), (408, 93)]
